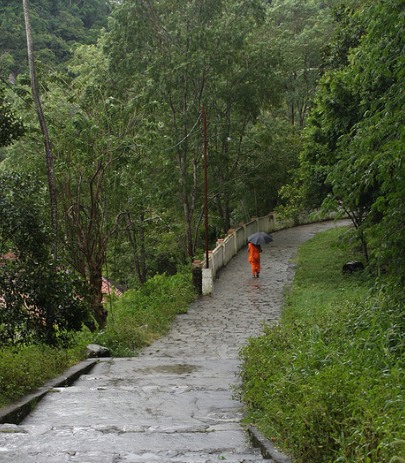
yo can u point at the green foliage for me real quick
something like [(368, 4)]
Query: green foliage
[(325, 384), (137, 318), (297, 31), (133, 126), (355, 139), (176, 63), (38, 302), (174, 67), (27, 368), (140, 316), (11, 127), (272, 148), (347, 34), (57, 25), (22, 222)]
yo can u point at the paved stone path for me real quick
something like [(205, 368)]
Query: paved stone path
[(175, 403)]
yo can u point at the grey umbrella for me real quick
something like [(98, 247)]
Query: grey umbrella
[(260, 238)]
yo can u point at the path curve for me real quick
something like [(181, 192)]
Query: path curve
[(174, 403)]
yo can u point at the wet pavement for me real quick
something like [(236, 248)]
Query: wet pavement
[(177, 402)]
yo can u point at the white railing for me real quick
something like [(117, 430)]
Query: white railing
[(228, 247), (236, 239)]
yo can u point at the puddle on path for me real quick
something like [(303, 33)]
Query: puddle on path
[(176, 369)]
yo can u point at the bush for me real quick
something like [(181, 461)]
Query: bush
[(38, 301), (24, 369), (140, 316), (39, 304)]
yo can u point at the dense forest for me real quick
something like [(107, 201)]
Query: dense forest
[(303, 101), (58, 26)]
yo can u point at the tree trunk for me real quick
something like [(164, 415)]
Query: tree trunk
[(138, 252), (86, 237), (95, 283), (42, 123)]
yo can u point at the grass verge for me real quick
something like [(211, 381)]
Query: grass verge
[(135, 320), (326, 385)]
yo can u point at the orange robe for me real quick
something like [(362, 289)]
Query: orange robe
[(254, 258)]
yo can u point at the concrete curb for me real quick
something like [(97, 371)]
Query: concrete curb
[(16, 412), (269, 452)]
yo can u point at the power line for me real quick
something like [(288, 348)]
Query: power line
[(185, 138)]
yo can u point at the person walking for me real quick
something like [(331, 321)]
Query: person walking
[(254, 258)]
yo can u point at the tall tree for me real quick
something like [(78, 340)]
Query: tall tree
[(43, 125), (239, 90), (358, 129), (91, 148), (297, 30), (174, 57)]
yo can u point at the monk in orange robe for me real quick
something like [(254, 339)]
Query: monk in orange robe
[(254, 258)]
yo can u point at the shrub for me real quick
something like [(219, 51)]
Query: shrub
[(140, 316), (38, 301), (26, 368)]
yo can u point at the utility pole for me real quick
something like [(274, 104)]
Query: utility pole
[(205, 186)]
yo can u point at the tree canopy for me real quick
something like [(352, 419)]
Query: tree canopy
[(58, 25), (11, 126), (356, 135)]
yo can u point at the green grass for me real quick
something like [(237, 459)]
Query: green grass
[(135, 320), (24, 369), (143, 315), (326, 384)]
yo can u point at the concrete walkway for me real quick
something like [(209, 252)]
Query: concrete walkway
[(176, 402)]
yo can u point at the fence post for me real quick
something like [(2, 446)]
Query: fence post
[(207, 281)]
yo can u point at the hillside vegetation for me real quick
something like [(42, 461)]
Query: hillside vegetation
[(326, 384), (58, 26)]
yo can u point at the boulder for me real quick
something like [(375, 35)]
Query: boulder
[(94, 350), (351, 267)]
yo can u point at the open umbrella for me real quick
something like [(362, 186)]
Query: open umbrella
[(260, 238)]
